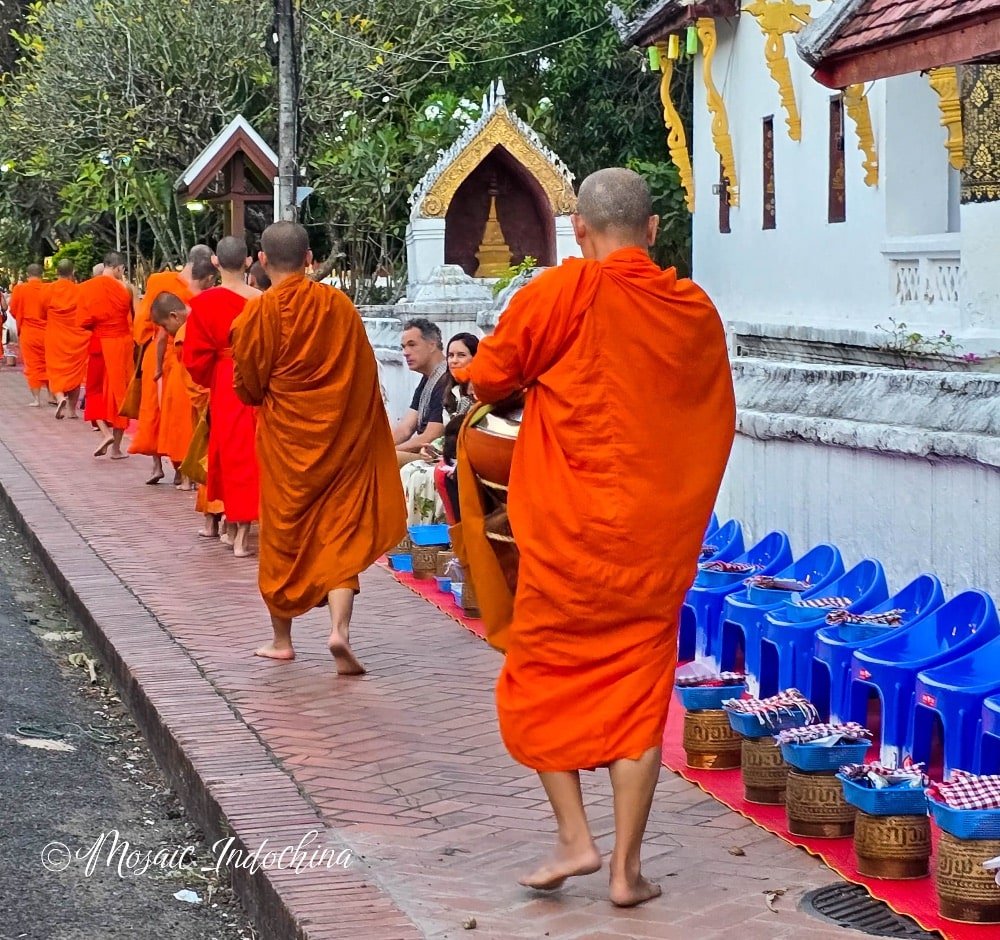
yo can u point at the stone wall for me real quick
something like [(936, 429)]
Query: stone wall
[(903, 466)]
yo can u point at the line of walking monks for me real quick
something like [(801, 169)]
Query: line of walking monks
[(174, 377)]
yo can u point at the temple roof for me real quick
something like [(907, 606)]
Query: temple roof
[(664, 17), (238, 135), (496, 127), (861, 40)]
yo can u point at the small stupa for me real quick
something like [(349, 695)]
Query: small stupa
[(494, 253)]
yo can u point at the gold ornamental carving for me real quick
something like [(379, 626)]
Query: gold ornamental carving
[(967, 891), (896, 847), (710, 742), (499, 131), (944, 81), (721, 140), (856, 104), (676, 138), (777, 18)]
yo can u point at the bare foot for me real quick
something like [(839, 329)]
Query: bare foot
[(227, 536), (116, 454), (61, 409), (565, 862), (628, 892), (103, 449), (177, 478), (154, 479), (73, 416), (209, 532), (281, 653), (343, 655), (240, 543), (33, 404)]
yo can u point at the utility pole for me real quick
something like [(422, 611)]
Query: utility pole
[(287, 110)]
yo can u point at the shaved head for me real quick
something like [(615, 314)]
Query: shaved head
[(615, 199), (199, 253), (164, 305), (231, 253), (114, 260), (34, 270), (258, 276), (65, 268), (285, 245), (202, 269), (98, 269)]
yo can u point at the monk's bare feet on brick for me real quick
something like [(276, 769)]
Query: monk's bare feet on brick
[(631, 892), (157, 472), (281, 648), (61, 408), (227, 534), (567, 861), (105, 445), (210, 530), (241, 543), (347, 663), (117, 453), (274, 651)]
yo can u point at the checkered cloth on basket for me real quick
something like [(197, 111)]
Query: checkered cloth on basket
[(770, 710), (707, 551), (891, 618), (730, 567), (967, 791), (770, 583), (850, 731), (823, 602), (715, 679), (909, 774)]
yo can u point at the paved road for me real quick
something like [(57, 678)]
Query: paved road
[(72, 797)]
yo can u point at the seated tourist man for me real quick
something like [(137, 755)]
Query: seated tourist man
[(423, 351)]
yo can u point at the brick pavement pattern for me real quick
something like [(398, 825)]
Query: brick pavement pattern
[(405, 766)]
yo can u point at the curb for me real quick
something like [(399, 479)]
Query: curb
[(222, 772)]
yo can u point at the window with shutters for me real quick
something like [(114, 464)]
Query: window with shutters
[(837, 182)]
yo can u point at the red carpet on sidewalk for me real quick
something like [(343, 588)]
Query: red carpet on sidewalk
[(916, 899)]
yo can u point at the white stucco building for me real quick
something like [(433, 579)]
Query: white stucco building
[(819, 215)]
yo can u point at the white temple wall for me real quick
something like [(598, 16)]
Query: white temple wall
[(808, 271), (912, 514)]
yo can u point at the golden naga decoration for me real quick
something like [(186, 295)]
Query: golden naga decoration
[(717, 108), (856, 104), (944, 81), (776, 19), (494, 254), (676, 138)]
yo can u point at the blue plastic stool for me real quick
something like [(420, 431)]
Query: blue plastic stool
[(831, 679), (728, 541), (962, 625), (743, 612), (955, 692), (988, 761), (788, 637), (771, 554)]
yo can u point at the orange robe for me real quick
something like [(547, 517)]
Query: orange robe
[(176, 413), (27, 304), (147, 435), (108, 312), (628, 423), (331, 498), (95, 408), (66, 342), (199, 397), (232, 463)]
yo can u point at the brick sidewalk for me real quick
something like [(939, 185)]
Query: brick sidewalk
[(405, 766)]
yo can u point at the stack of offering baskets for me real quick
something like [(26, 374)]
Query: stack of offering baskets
[(765, 773), (709, 742), (966, 808), (892, 834)]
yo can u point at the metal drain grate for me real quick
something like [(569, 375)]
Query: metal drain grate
[(852, 906)]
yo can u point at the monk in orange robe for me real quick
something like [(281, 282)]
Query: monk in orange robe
[(232, 463), (94, 407), (27, 304), (177, 418), (628, 423), (66, 342), (331, 501), (151, 342), (108, 312)]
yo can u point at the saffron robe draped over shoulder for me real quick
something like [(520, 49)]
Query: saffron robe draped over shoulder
[(628, 424), (232, 462), (108, 312), (66, 342), (331, 498), (147, 435), (27, 304), (177, 419)]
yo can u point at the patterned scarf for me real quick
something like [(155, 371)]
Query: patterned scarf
[(425, 395)]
